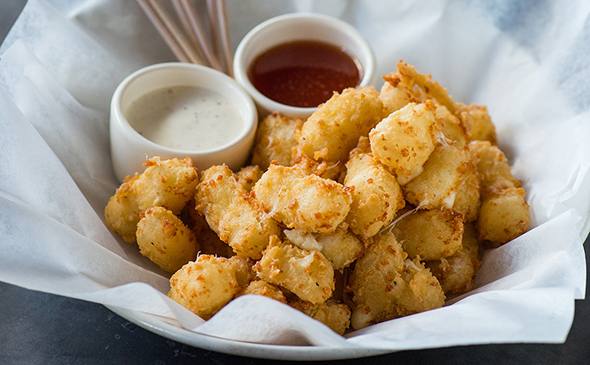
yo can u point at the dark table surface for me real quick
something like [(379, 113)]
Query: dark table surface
[(39, 328)]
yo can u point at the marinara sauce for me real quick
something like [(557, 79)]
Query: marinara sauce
[(303, 73)]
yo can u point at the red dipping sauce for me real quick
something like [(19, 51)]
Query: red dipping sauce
[(303, 73)]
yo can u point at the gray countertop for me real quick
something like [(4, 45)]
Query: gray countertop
[(39, 328)]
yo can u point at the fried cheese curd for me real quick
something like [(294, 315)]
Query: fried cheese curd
[(331, 313), (165, 240), (467, 199), (301, 201), (374, 208), (276, 138), (449, 180), (493, 168), (340, 247), (445, 175), (456, 273), (205, 285), (394, 94), (450, 127), (232, 213), (376, 194), (504, 213), (307, 274), (407, 85), (209, 242), (166, 183), (404, 140), (386, 284), (121, 213), (323, 169), (261, 287), (439, 182), (247, 177), (244, 270), (335, 127), (477, 123), (430, 234)]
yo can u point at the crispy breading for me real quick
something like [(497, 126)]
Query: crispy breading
[(492, 166), (504, 213), (385, 284), (327, 170), (233, 214), (401, 89), (298, 200), (372, 281), (450, 126), (503, 216), (247, 177), (406, 85), (209, 242), (456, 273), (467, 199), (244, 270), (165, 240), (121, 213), (424, 87), (376, 194), (307, 274), (439, 183), (404, 140), (331, 313), (276, 138), (340, 247), (205, 285), (430, 234), (418, 290), (335, 127), (261, 287), (165, 183), (477, 122), (395, 94)]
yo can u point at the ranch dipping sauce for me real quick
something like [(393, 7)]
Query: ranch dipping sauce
[(186, 118)]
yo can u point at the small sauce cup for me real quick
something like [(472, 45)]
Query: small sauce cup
[(129, 149), (298, 27)]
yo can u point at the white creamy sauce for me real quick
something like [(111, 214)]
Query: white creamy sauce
[(185, 117)]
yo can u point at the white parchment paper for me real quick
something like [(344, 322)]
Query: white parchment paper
[(529, 61)]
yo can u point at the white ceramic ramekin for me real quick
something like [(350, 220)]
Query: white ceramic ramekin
[(129, 149), (293, 27)]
